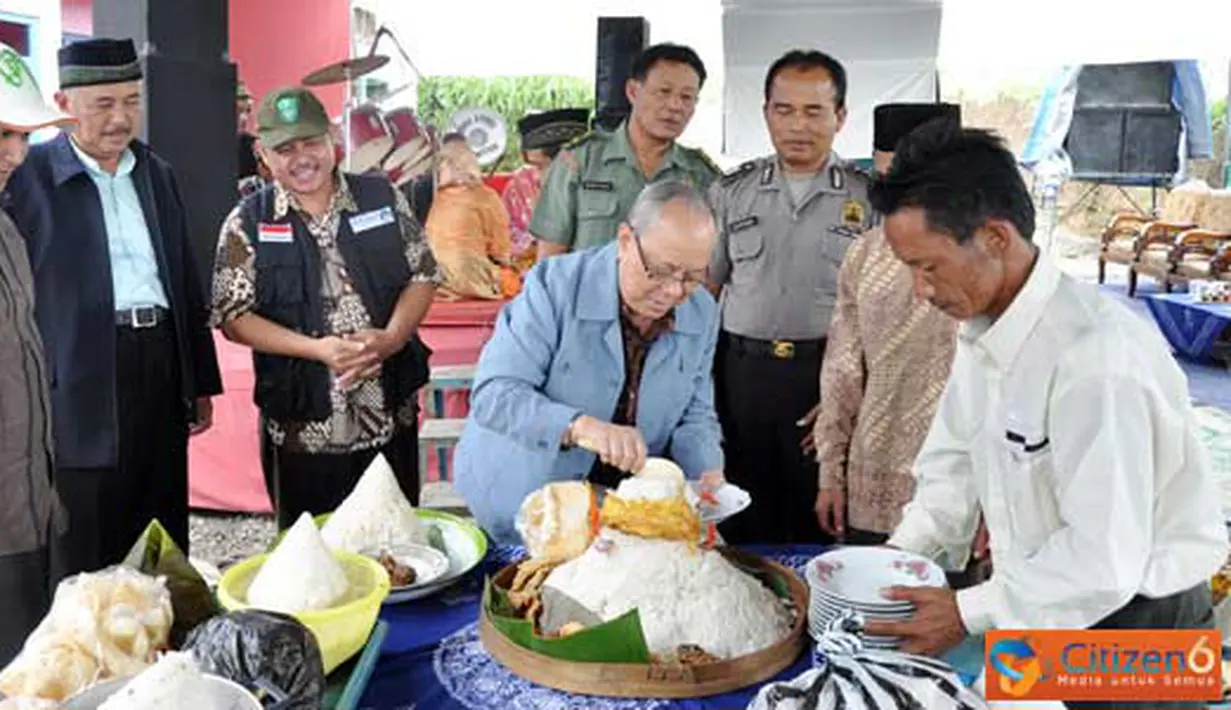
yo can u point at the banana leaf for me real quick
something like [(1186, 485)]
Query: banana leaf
[(157, 555), (617, 641)]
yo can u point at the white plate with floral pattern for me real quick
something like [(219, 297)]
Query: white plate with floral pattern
[(860, 574)]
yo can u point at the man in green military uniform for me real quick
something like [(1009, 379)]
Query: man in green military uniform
[(784, 224), (592, 183)]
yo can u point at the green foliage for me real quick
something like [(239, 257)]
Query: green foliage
[(510, 96)]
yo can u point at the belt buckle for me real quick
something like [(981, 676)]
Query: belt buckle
[(783, 349), (140, 323)]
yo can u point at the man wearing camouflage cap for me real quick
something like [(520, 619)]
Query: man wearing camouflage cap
[(326, 277)]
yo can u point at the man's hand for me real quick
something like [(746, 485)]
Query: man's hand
[(619, 446), (808, 442), (831, 511), (379, 341), (350, 360), (712, 481), (935, 627), (205, 417), (981, 549)]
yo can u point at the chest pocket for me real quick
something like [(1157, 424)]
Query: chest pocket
[(597, 217), (384, 258), (279, 279), (1027, 460)]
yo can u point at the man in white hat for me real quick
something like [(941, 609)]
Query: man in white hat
[(29, 502)]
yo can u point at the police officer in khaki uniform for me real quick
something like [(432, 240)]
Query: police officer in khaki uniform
[(592, 183), (785, 222)]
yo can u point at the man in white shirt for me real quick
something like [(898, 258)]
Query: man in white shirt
[(1065, 420)]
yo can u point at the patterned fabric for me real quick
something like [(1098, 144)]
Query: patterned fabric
[(885, 366), (519, 197), (636, 348), (361, 419)]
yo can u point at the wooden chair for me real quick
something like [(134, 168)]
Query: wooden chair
[(1130, 236), (1205, 252)]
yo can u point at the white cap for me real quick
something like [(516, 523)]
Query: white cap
[(22, 106)]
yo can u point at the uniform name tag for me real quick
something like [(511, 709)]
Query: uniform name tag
[(742, 224), (273, 233), (601, 185), (371, 220)]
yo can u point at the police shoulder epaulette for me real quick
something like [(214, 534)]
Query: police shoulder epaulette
[(739, 172), (856, 170)]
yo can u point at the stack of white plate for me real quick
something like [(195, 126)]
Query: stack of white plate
[(853, 578)]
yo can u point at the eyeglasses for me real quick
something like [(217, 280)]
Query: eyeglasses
[(663, 275)]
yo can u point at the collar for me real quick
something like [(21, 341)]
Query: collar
[(123, 169), (68, 161), (599, 300), (621, 148), (1003, 338), (657, 328), (823, 181), (342, 199)]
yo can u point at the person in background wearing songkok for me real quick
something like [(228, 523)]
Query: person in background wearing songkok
[(604, 358), (30, 514), (326, 276), (121, 310), (784, 223), (468, 230), (543, 134), (1066, 422), (886, 362)]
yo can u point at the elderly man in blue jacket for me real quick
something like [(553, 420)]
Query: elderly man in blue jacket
[(604, 358)]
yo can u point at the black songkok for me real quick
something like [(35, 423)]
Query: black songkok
[(98, 61)]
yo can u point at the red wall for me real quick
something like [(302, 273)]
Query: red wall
[(77, 17), (273, 42), (278, 42)]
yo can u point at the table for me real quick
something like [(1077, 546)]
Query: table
[(433, 659), (1191, 327)]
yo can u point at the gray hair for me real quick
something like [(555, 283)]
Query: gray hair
[(654, 198)]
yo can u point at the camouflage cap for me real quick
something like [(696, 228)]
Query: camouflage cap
[(289, 114)]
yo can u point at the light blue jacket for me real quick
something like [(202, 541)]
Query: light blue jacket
[(557, 352)]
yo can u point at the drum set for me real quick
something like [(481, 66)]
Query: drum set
[(369, 139)]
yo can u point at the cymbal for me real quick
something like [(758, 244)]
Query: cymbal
[(345, 70)]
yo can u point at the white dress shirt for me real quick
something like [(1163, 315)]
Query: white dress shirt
[(1068, 422)]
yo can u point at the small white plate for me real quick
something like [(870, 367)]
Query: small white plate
[(428, 563), (731, 500), (859, 574)]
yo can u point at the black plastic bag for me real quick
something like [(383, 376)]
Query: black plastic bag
[(262, 650)]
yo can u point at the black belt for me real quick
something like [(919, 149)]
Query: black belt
[(778, 349), (142, 317)]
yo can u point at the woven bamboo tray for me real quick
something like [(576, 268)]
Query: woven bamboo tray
[(632, 680)]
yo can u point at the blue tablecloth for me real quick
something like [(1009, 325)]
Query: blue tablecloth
[(1190, 326), (433, 660)]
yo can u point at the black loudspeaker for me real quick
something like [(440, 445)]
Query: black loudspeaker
[(1125, 129), (190, 105), (186, 29), (620, 40)]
